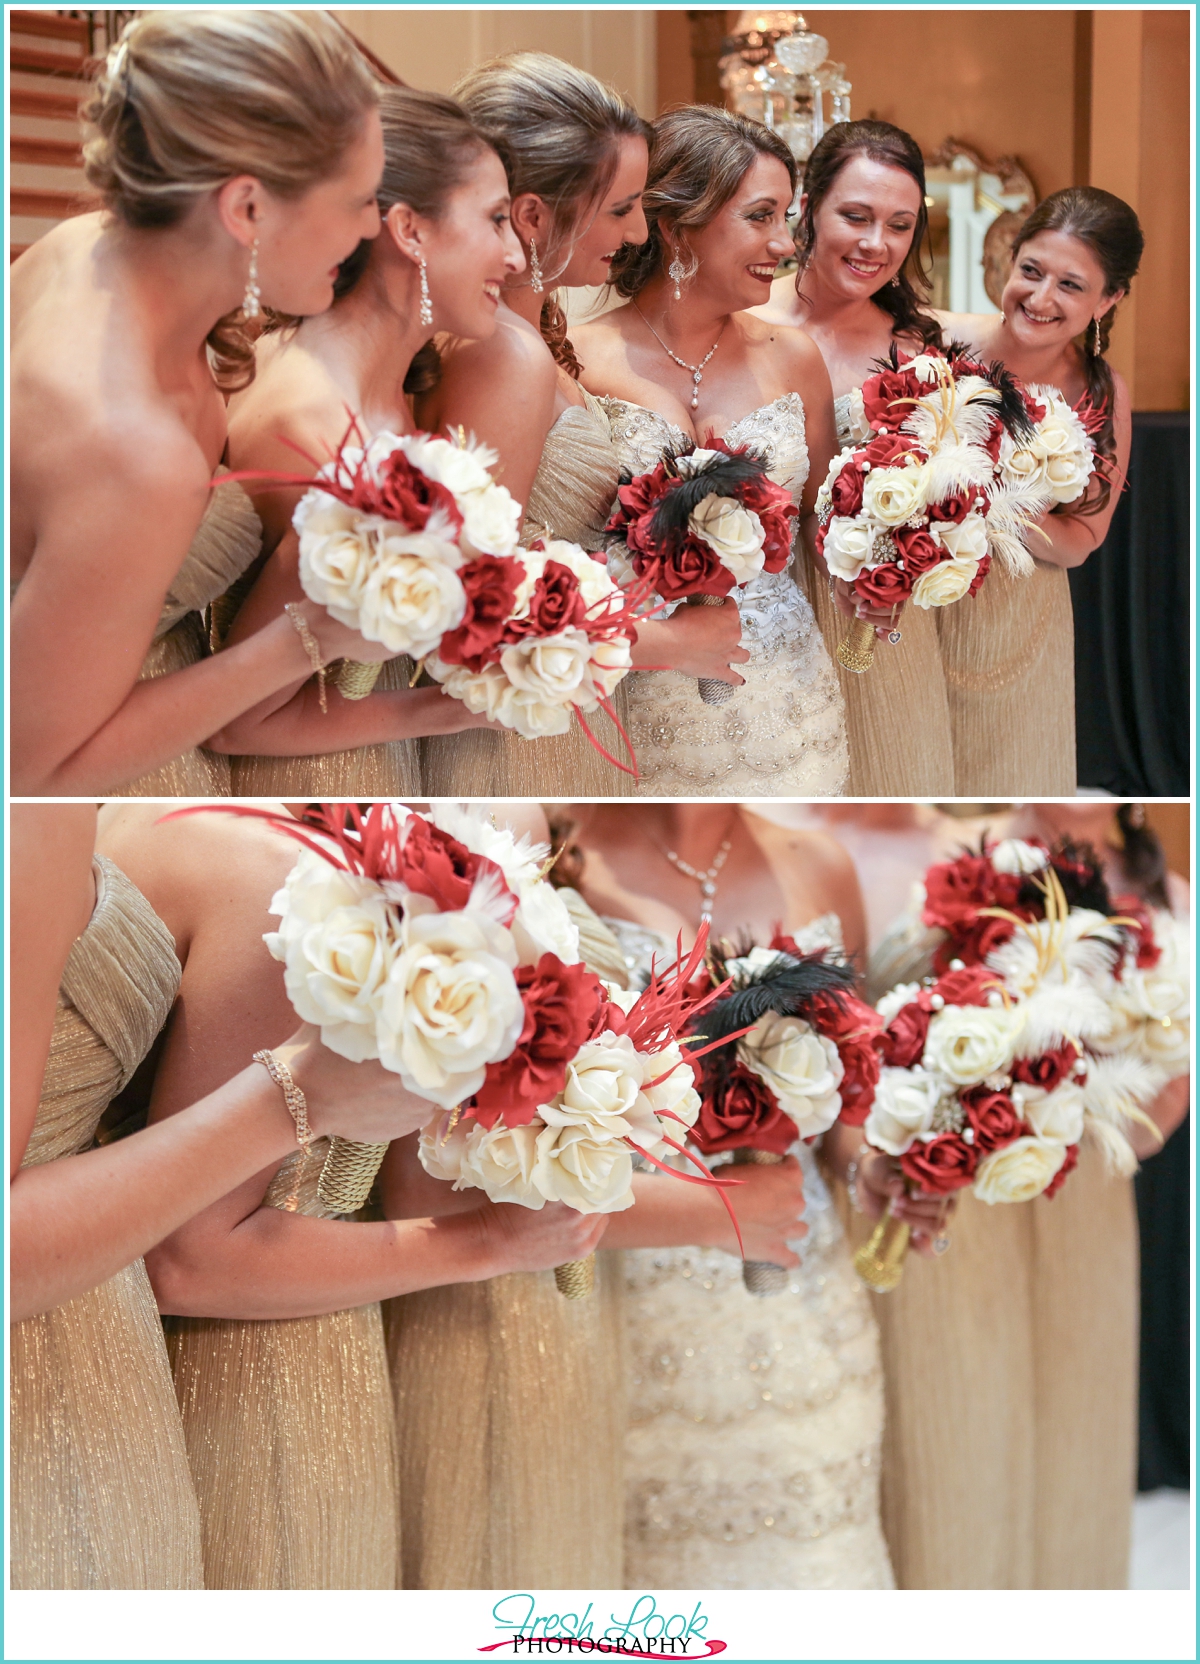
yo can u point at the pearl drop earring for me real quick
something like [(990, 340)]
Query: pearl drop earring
[(677, 271)]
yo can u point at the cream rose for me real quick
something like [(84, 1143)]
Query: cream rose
[(904, 1108), (893, 495), (491, 517), (602, 1086), (410, 598), (1160, 999), (733, 533), (669, 1091), (489, 692), (967, 1043), (553, 668), (610, 663), (1020, 1171), (1014, 855), (542, 923), (847, 547), (1068, 476), (860, 430), (500, 1161), (590, 1172), (337, 544), (1055, 1115), (944, 583), (964, 539), (450, 1005), (802, 1068), (1022, 466)]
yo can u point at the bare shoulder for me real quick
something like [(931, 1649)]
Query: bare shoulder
[(784, 338), (603, 342), (515, 348)]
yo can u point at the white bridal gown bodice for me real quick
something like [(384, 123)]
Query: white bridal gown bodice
[(783, 733), (753, 1445)]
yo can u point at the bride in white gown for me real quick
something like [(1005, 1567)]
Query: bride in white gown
[(752, 1452), (682, 361)]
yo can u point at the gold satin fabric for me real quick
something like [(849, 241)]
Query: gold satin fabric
[(100, 1495), (228, 540), (1008, 657), (386, 770), (511, 1409), (571, 496), (1010, 1367), (290, 1436)]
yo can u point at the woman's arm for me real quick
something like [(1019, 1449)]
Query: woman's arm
[(1062, 538), (669, 1213)]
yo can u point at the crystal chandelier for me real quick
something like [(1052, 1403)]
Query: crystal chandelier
[(775, 70)]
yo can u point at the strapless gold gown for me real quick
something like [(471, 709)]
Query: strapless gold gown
[(228, 540), (571, 496), (1011, 1373), (100, 1494), (510, 1404), (290, 1436)]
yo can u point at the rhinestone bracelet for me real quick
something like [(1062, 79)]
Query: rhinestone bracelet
[(292, 1095), (311, 646)]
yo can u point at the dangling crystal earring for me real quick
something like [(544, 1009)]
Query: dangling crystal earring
[(535, 269), (1095, 342), (677, 271), (252, 299), (426, 312)]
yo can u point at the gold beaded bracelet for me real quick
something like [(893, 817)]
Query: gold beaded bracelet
[(311, 646), (292, 1095)]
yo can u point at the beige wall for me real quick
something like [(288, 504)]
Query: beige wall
[(433, 48)]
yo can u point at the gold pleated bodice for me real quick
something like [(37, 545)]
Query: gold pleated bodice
[(290, 1435), (101, 1497), (571, 497), (511, 1405), (1010, 1368), (228, 540)]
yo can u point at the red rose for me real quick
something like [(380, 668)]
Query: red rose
[(1068, 1166), (778, 524), (1142, 930), (852, 1026), (1048, 1070), (561, 1004), (956, 506), (969, 987), (883, 586), (407, 495), (742, 1113), (846, 493), (434, 864), (917, 550), (902, 1042), (638, 498), (981, 572), (690, 568), (995, 439), (955, 893), (888, 399), (784, 944), (992, 1115), (556, 603), (888, 450), (973, 941), (491, 584), (942, 1165)]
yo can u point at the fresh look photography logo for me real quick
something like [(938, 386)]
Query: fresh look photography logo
[(646, 1631)]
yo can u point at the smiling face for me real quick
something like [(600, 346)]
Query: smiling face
[(741, 246), (471, 249), (616, 219), (864, 227), (304, 239), (1054, 291)]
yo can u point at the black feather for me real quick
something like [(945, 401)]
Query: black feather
[(725, 474), (785, 987)]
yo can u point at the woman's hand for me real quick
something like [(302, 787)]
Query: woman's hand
[(880, 1185), (339, 641), (768, 1202), (850, 606), (697, 641), (361, 1101), (528, 1239)]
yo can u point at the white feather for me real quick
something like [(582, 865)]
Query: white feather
[(1119, 1086), (1118, 1152)]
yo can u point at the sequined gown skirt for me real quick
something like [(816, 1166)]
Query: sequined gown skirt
[(752, 1456)]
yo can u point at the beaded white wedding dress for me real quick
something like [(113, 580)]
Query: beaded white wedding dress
[(783, 733), (753, 1446)]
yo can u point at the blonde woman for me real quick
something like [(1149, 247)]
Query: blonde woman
[(237, 155)]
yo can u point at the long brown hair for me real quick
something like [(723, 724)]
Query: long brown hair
[(1110, 229), (908, 292), (699, 155)]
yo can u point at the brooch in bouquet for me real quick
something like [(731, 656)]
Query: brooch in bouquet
[(789, 1051), (701, 523), (951, 464), (1032, 1032)]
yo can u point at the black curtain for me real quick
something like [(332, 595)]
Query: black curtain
[(1131, 601), (1164, 1415)]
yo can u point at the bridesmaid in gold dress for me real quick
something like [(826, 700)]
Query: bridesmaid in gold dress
[(100, 1494), (276, 1343), (236, 153), (1009, 657), (577, 158), (860, 289), (445, 249)]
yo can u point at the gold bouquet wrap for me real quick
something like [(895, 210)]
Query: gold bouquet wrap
[(349, 1172), (355, 680), (880, 1260), (856, 650), (576, 1278), (712, 690), (761, 1276)]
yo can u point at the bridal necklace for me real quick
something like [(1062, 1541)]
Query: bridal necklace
[(706, 877), (697, 370)]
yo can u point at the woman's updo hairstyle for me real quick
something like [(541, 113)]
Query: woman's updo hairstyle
[(699, 155), (559, 130), (429, 148), (1110, 229), (908, 292), (188, 100)]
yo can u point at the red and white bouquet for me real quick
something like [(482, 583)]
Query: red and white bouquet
[(951, 463), (995, 1068), (699, 524)]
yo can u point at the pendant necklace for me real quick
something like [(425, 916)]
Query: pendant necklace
[(706, 877), (697, 370)]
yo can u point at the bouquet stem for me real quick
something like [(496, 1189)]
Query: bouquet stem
[(576, 1278), (761, 1276), (880, 1260), (348, 1173), (712, 690), (355, 680), (856, 650)]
